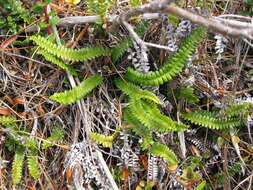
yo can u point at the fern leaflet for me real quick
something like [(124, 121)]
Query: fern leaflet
[(173, 66), (135, 91), (62, 52), (211, 120), (164, 152), (17, 165), (56, 61), (78, 92), (104, 140)]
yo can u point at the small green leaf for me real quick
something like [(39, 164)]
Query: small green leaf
[(54, 20), (201, 185)]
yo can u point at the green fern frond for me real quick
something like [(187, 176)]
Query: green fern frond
[(62, 52), (121, 48), (201, 186), (99, 7), (164, 152), (173, 66), (78, 92), (33, 166), (211, 120), (187, 94), (57, 134), (138, 128), (17, 165), (56, 61), (237, 110), (7, 121), (104, 140), (135, 3), (136, 92), (149, 115), (29, 142)]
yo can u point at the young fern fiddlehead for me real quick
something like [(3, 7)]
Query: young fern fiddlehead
[(173, 66), (69, 54), (78, 92)]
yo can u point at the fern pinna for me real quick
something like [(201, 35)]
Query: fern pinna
[(78, 92), (69, 54), (173, 66)]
